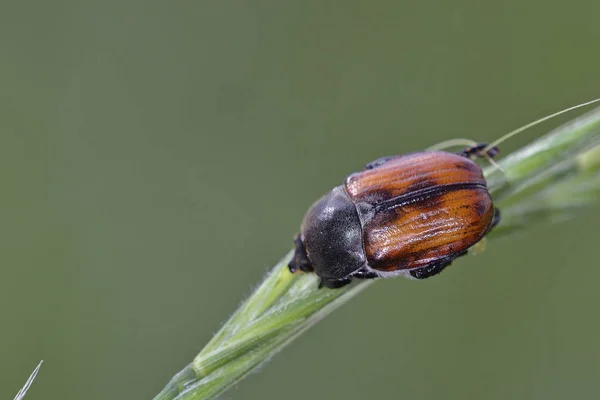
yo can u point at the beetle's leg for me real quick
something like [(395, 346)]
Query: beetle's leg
[(379, 162), (335, 284), (364, 275), (435, 267), (476, 151), (432, 269), (300, 260), (497, 217)]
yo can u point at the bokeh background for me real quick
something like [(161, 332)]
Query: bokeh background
[(156, 159)]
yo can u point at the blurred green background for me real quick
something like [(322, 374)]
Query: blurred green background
[(157, 157)]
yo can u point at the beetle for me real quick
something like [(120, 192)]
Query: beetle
[(408, 215)]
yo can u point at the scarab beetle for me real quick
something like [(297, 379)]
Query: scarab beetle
[(402, 215)]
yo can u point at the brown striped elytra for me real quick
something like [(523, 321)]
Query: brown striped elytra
[(406, 215)]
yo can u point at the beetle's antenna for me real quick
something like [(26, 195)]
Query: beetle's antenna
[(534, 123)]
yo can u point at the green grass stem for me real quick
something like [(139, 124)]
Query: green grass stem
[(544, 182)]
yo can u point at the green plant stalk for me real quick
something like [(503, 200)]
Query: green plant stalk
[(273, 287), (545, 181)]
